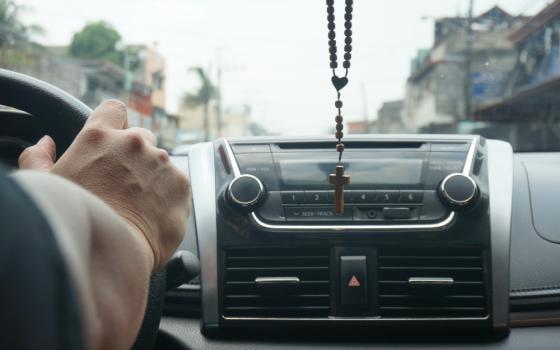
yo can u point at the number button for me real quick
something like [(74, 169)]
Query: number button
[(411, 196), (387, 196), (315, 197), (293, 197)]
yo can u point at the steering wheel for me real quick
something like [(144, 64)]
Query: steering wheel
[(62, 116)]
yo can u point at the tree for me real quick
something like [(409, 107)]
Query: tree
[(14, 34), (202, 97), (97, 40)]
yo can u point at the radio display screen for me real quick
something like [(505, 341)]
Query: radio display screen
[(384, 171)]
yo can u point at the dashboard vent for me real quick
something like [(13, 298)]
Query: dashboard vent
[(431, 283), (279, 283)]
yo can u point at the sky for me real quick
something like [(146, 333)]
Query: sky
[(273, 53)]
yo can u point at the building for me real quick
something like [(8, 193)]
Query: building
[(530, 108), (467, 67), (140, 82), (390, 117), (235, 122)]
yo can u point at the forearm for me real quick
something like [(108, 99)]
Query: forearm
[(110, 263)]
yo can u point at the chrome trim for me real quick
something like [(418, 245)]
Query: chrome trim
[(462, 203), (232, 160), (354, 319), (201, 161), (417, 227), (469, 162), (251, 202), (276, 280), (431, 281), (467, 168), (500, 187)]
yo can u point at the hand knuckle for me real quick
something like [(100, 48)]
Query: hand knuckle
[(163, 155), (93, 135), (134, 141), (183, 182), (115, 104), (25, 155)]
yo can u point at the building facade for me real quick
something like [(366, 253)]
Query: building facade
[(530, 107), (466, 68)]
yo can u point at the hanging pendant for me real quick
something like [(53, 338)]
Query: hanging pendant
[(339, 180)]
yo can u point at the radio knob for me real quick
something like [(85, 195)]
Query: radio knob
[(246, 192), (458, 190)]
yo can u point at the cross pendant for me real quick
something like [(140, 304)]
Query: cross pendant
[(339, 180)]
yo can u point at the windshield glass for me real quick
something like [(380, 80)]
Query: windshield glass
[(194, 70)]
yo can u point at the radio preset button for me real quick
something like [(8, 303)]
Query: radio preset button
[(316, 197), (293, 197), (361, 196), (411, 196), (316, 214), (387, 196)]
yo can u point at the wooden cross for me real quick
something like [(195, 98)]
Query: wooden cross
[(339, 180)]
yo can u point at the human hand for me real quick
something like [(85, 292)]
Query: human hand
[(125, 169)]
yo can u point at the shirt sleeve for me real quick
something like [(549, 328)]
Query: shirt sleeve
[(38, 303)]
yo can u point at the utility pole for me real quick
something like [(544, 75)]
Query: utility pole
[(468, 62), (219, 100)]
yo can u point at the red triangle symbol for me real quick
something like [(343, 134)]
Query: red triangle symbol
[(354, 282)]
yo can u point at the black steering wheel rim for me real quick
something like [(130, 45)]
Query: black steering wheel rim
[(62, 116), (46, 102)]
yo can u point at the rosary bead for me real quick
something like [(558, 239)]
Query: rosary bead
[(333, 58), (348, 32), (339, 127), (348, 48), (334, 65), (340, 147), (332, 50), (330, 18), (348, 16), (346, 64), (349, 9), (347, 56), (339, 134), (331, 26), (332, 42), (348, 25), (330, 9), (330, 2), (349, 2), (338, 104), (332, 35), (338, 119), (348, 40)]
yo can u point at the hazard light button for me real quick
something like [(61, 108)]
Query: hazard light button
[(353, 282)]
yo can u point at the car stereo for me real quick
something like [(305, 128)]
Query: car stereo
[(423, 239), (394, 186)]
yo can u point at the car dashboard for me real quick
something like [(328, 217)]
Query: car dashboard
[(443, 238)]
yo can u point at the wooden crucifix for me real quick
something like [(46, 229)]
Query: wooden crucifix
[(339, 180)]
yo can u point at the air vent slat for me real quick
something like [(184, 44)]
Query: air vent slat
[(402, 296), (305, 291)]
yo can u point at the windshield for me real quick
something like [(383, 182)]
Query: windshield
[(195, 70)]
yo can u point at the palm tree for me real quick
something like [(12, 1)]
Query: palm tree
[(202, 97)]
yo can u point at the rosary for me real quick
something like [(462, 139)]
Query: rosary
[(338, 179)]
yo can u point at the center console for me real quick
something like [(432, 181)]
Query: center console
[(423, 239)]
